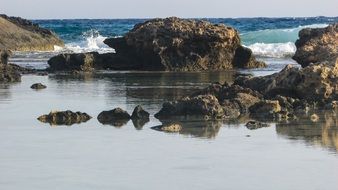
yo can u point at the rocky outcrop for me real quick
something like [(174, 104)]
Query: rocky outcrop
[(4, 55), (170, 44), (312, 83), (317, 45), (215, 102), (174, 44), (22, 35), (64, 118)]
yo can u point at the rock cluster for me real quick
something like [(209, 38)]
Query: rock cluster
[(23, 35), (64, 118), (170, 44)]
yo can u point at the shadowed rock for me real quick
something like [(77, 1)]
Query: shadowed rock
[(38, 86), (9, 73), (253, 125), (116, 117), (64, 118)]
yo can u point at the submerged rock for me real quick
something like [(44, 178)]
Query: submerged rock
[(116, 117), (23, 35), (253, 125), (317, 45), (169, 128), (38, 86), (64, 118)]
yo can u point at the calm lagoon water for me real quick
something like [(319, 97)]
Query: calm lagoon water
[(213, 155)]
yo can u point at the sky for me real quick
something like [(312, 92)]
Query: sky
[(63, 9)]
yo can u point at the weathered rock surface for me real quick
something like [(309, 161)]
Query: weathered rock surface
[(253, 125), (22, 35), (64, 118), (116, 117), (312, 83), (170, 44), (317, 45), (38, 86), (4, 55), (215, 102), (169, 128), (174, 44)]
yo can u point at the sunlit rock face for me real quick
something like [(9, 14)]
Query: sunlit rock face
[(316, 45)]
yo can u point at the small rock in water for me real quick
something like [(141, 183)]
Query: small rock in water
[(139, 113), (170, 128), (252, 125), (38, 86), (314, 118), (116, 117), (64, 118)]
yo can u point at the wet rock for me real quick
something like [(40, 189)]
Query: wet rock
[(253, 125), (4, 55), (9, 73), (174, 44), (64, 118), (317, 45), (139, 123), (314, 118), (200, 107), (169, 128), (38, 86), (116, 117), (23, 35), (139, 113)]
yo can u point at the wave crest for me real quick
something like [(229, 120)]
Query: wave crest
[(277, 50)]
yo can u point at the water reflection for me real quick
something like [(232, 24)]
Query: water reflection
[(324, 132)]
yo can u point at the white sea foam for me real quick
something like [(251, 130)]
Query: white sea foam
[(92, 41), (277, 50)]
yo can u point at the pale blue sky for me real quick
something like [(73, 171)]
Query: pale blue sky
[(36, 9)]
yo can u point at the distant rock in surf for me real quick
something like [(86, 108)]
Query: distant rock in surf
[(170, 44), (317, 45), (23, 35), (38, 86)]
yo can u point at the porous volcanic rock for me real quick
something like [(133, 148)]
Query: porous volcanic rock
[(64, 118)]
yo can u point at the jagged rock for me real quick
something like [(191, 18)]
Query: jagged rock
[(38, 86), (4, 55), (64, 118), (140, 113), (174, 44), (317, 45), (23, 35), (253, 125), (116, 117), (312, 83), (201, 107), (265, 109)]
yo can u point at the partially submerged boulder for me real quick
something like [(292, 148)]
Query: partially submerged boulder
[(18, 34), (64, 118), (317, 45), (116, 117), (9, 73), (38, 86)]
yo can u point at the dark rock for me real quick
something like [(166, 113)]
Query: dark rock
[(23, 35), (139, 123), (174, 44), (64, 118), (116, 117), (140, 113), (317, 45), (4, 55), (265, 109), (253, 125), (38, 86)]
